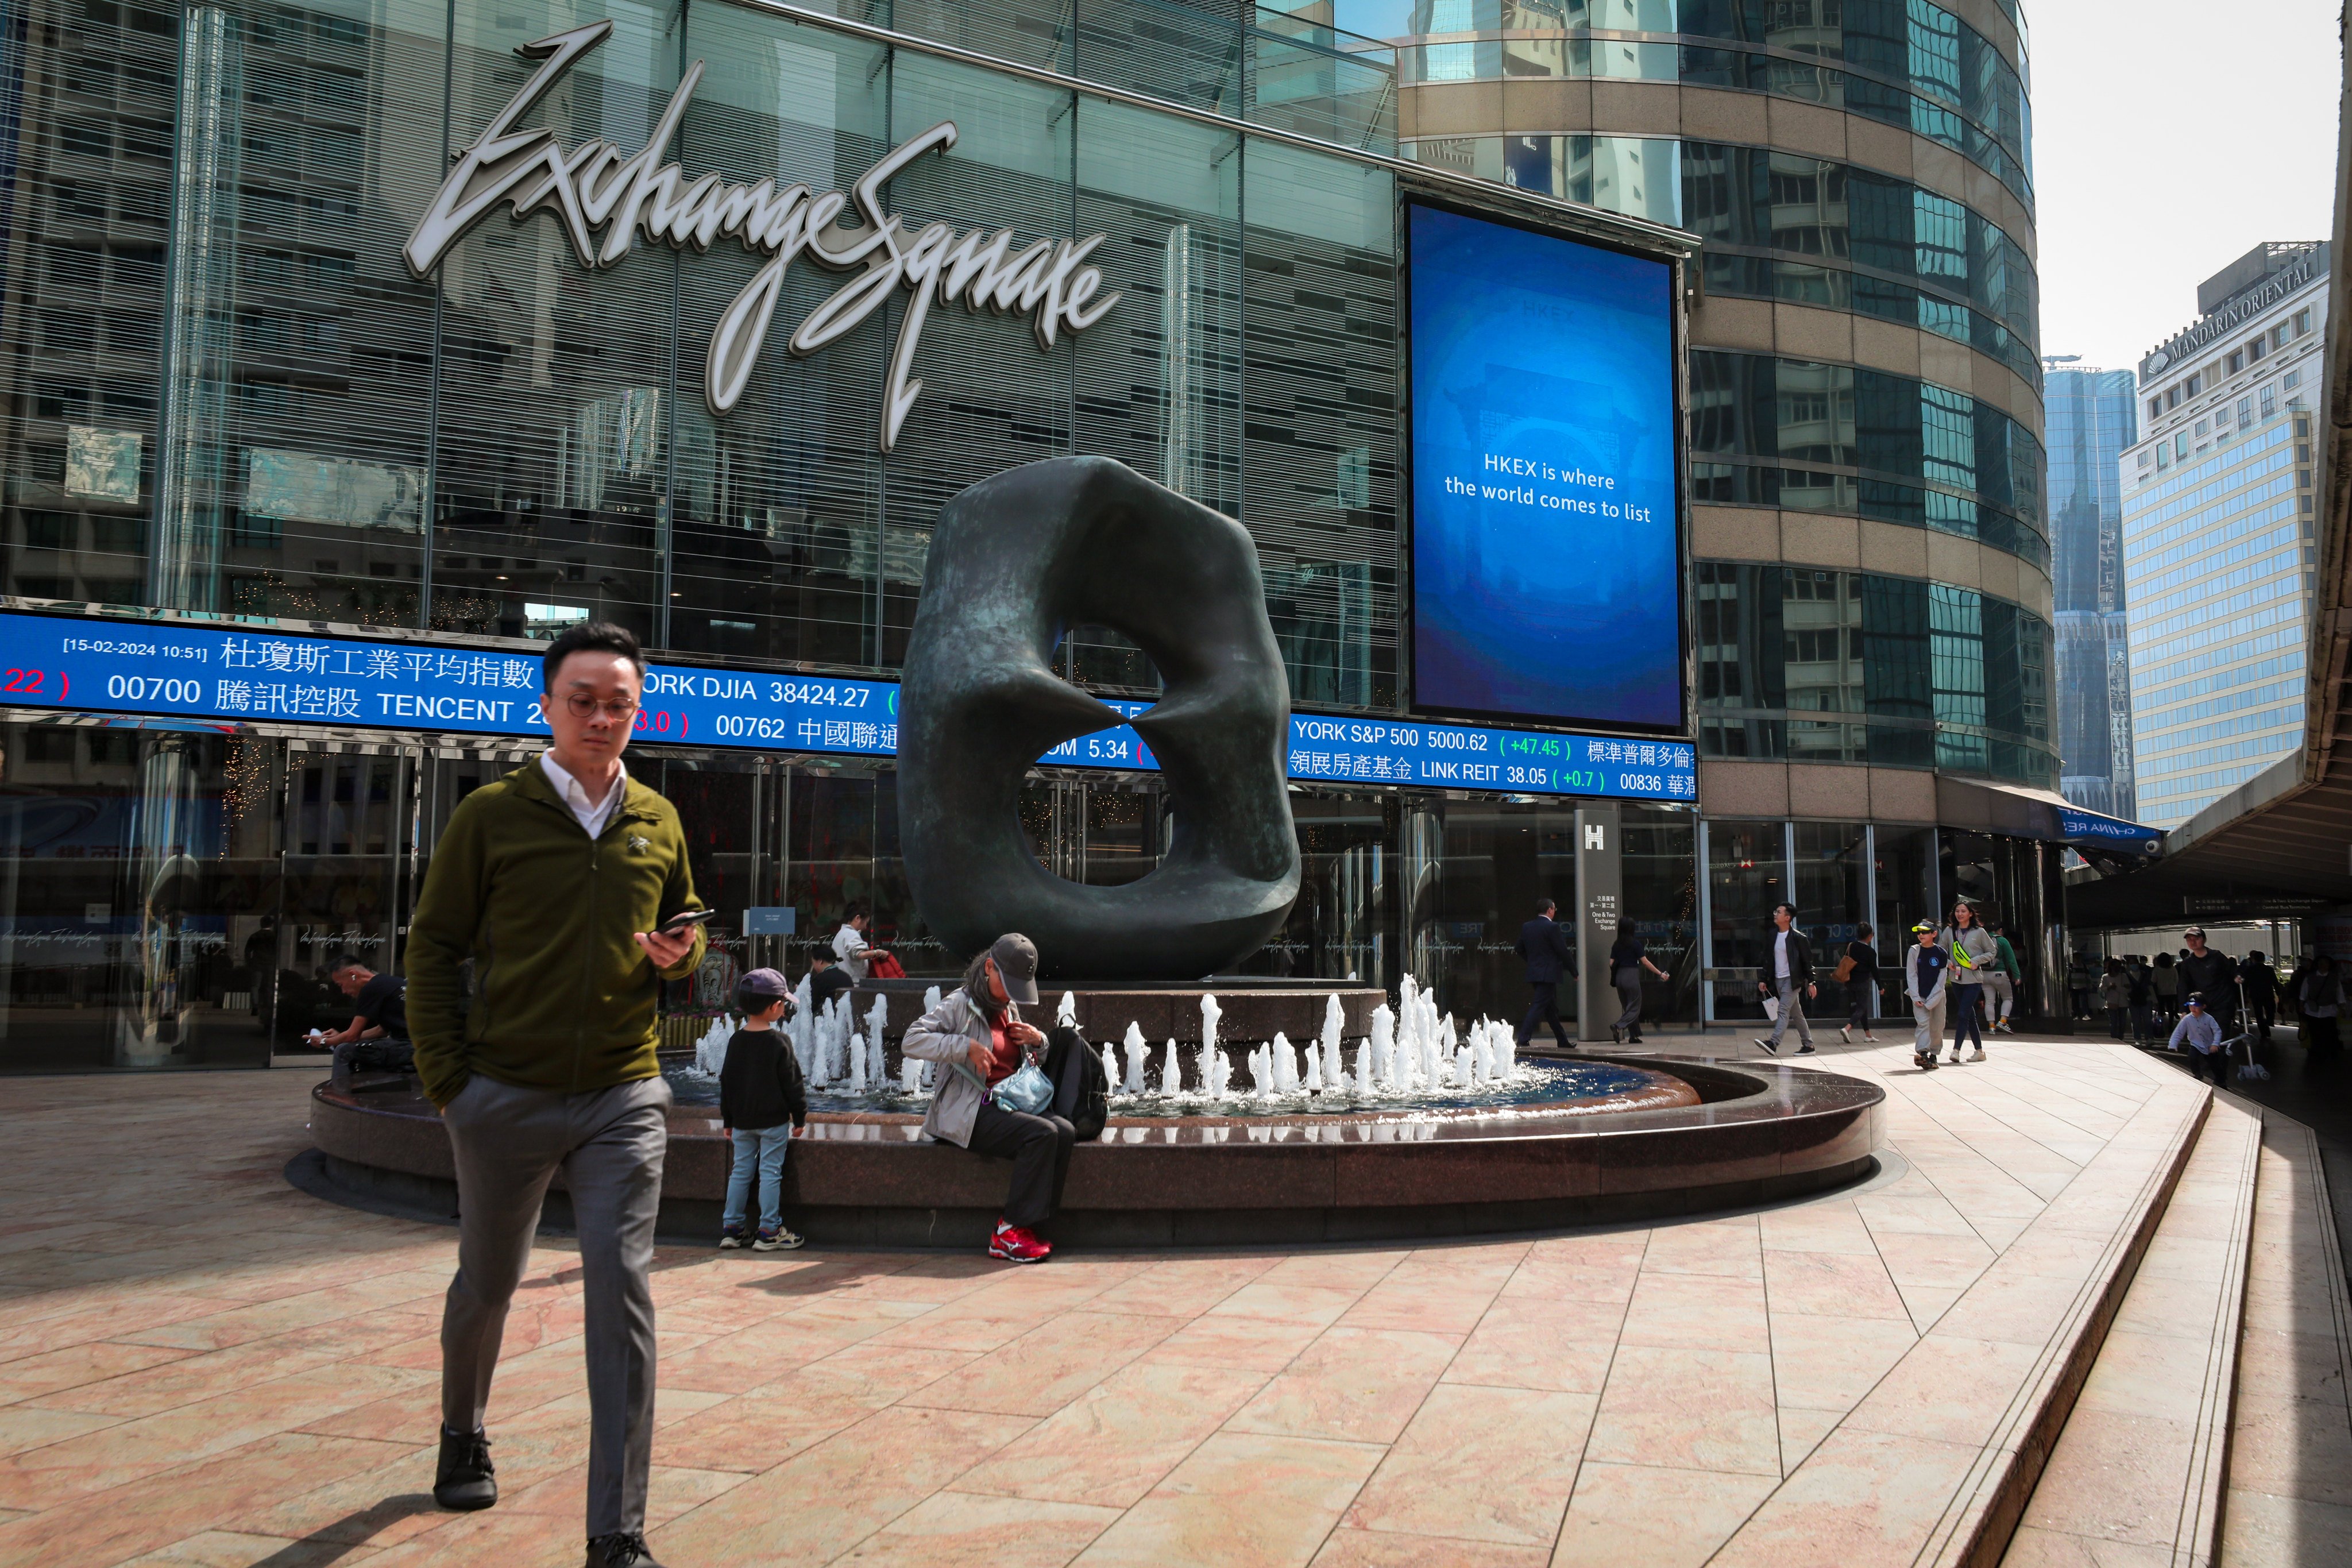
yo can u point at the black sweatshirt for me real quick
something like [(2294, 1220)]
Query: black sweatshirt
[(760, 1085)]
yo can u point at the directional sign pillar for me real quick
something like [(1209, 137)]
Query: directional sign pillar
[(1600, 897)]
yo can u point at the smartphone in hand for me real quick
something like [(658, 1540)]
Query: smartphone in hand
[(682, 923)]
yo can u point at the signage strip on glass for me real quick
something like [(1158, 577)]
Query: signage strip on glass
[(230, 674)]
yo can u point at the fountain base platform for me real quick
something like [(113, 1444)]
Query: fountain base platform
[(1698, 1134)]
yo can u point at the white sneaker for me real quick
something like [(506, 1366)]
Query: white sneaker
[(1846, 1033), (1980, 1056)]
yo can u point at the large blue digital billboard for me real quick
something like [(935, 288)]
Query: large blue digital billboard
[(1546, 577)]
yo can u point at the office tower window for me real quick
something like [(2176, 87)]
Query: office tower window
[(2270, 401)]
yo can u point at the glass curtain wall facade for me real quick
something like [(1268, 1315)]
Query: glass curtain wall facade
[(225, 395), (2090, 422), (2220, 552)]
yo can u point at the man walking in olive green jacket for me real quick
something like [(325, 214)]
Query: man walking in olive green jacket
[(562, 882)]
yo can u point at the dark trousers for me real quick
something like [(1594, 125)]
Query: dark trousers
[(2263, 1013), (1859, 995), (1629, 992), (2319, 1034), (1039, 1148), (2214, 1064), (1544, 1008), (2119, 1023), (1966, 1024)]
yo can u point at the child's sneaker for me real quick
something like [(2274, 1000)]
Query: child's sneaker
[(1018, 1244), (776, 1240), (731, 1238)]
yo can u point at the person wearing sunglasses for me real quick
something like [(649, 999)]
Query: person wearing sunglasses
[(566, 885)]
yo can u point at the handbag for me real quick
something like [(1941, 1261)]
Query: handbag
[(1844, 968), (1028, 1090)]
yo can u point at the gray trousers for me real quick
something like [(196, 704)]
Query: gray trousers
[(1629, 992), (1793, 1011), (609, 1143)]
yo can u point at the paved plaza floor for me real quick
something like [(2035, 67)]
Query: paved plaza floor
[(201, 1365)]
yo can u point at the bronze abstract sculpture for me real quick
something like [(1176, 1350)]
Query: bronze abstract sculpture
[(1015, 560)]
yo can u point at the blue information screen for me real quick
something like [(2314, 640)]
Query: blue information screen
[(224, 675), (1546, 582)]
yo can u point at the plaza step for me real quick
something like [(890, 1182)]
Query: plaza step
[(2137, 1472), (1935, 1464)]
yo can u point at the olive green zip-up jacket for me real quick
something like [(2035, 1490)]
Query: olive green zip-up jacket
[(564, 996)]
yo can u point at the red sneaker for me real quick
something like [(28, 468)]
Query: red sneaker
[(1018, 1244)]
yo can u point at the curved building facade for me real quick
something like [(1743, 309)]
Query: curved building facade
[(1871, 548)]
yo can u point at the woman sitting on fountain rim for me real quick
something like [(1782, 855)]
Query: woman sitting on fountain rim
[(977, 1036)]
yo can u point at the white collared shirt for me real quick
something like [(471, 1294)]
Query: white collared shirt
[(592, 818)]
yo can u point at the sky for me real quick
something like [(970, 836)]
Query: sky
[(2169, 137)]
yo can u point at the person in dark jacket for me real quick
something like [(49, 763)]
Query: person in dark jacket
[(2260, 982), (2319, 1002), (1789, 977), (2213, 973), (1861, 985), (1627, 960), (1544, 946), (762, 1102)]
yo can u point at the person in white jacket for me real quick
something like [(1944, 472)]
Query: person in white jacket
[(1924, 969)]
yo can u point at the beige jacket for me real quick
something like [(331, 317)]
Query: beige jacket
[(945, 1035)]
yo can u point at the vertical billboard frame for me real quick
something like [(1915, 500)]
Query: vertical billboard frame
[(1680, 273)]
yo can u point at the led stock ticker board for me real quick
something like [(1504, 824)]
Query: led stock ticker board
[(220, 677)]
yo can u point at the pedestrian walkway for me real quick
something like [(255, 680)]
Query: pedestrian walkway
[(199, 1364)]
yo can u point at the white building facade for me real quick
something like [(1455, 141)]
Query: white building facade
[(2217, 542)]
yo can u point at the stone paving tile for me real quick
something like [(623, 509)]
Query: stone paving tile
[(1620, 1395)]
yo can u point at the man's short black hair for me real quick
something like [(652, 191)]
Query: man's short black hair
[(590, 636), (343, 961), (1785, 904), (820, 956), (1546, 906)]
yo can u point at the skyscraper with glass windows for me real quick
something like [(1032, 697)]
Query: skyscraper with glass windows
[(2218, 530), (2090, 423), (1871, 554)]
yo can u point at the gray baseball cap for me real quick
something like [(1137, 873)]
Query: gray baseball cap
[(1016, 962)]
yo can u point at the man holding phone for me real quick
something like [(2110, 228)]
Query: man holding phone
[(566, 884)]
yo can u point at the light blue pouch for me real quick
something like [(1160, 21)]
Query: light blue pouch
[(1028, 1090)]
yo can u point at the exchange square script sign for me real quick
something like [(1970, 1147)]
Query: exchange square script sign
[(604, 197)]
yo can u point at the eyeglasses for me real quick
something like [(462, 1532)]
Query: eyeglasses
[(580, 705)]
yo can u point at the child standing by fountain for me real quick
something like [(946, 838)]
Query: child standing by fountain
[(763, 1101)]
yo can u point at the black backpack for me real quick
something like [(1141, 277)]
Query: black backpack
[(1081, 1092)]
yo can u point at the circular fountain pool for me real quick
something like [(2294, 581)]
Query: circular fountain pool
[(1554, 1088)]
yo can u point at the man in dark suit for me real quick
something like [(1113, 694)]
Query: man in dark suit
[(1789, 977), (1545, 947)]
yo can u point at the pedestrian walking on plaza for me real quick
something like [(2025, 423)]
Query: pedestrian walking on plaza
[(1788, 980), (2000, 982), (1627, 960), (563, 883), (1925, 970), (2164, 989), (1973, 953), (2115, 995), (2201, 1034), (1543, 945), (977, 1036), (2143, 997), (2259, 982), (2213, 973), (1858, 972), (2319, 998), (763, 1106)]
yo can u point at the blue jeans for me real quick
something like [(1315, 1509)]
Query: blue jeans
[(763, 1147), (1964, 1024)]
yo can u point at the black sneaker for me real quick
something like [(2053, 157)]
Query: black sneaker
[(625, 1549), (466, 1479), (1806, 1049), (1767, 1045)]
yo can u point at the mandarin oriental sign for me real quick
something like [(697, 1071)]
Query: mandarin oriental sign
[(604, 197)]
